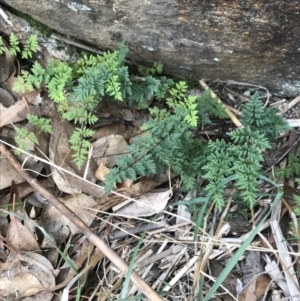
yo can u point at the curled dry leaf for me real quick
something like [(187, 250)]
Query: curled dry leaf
[(146, 205), (56, 224), (107, 128)]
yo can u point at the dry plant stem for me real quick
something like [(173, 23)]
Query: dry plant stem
[(105, 249), (291, 104), (233, 82), (5, 17), (105, 295), (294, 219), (202, 264), (139, 229), (201, 252), (233, 110), (229, 113)]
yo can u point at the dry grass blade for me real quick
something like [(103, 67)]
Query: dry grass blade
[(107, 251), (283, 255)]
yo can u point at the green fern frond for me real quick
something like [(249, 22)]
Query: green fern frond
[(292, 168), (80, 145), (210, 105), (42, 123), (22, 137), (30, 47), (266, 121), (14, 44), (2, 49), (113, 88), (164, 85)]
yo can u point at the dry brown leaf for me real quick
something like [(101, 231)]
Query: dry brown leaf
[(147, 204), (101, 172), (19, 236), (61, 155), (256, 289), (126, 184), (116, 128), (56, 224), (16, 112), (8, 173), (26, 285), (107, 149), (28, 275)]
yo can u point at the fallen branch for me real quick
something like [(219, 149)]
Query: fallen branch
[(94, 239)]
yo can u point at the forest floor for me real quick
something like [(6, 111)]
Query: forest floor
[(141, 220)]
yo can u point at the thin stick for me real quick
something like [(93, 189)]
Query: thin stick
[(93, 238), (5, 17)]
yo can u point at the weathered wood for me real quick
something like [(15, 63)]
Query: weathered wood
[(250, 41)]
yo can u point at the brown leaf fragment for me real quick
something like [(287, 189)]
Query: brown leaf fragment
[(14, 113), (20, 236), (61, 154), (256, 289), (101, 172), (107, 149), (146, 205)]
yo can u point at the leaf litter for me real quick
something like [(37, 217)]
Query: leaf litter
[(170, 258)]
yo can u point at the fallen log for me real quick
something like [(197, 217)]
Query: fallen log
[(250, 41)]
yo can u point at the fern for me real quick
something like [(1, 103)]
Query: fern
[(164, 85), (167, 142), (42, 123), (178, 97), (266, 121), (156, 69), (30, 47), (113, 88), (80, 144), (141, 91), (79, 87), (21, 85), (208, 105), (22, 137), (14, 44), (292, 168), (2, 49), (242, 156)]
